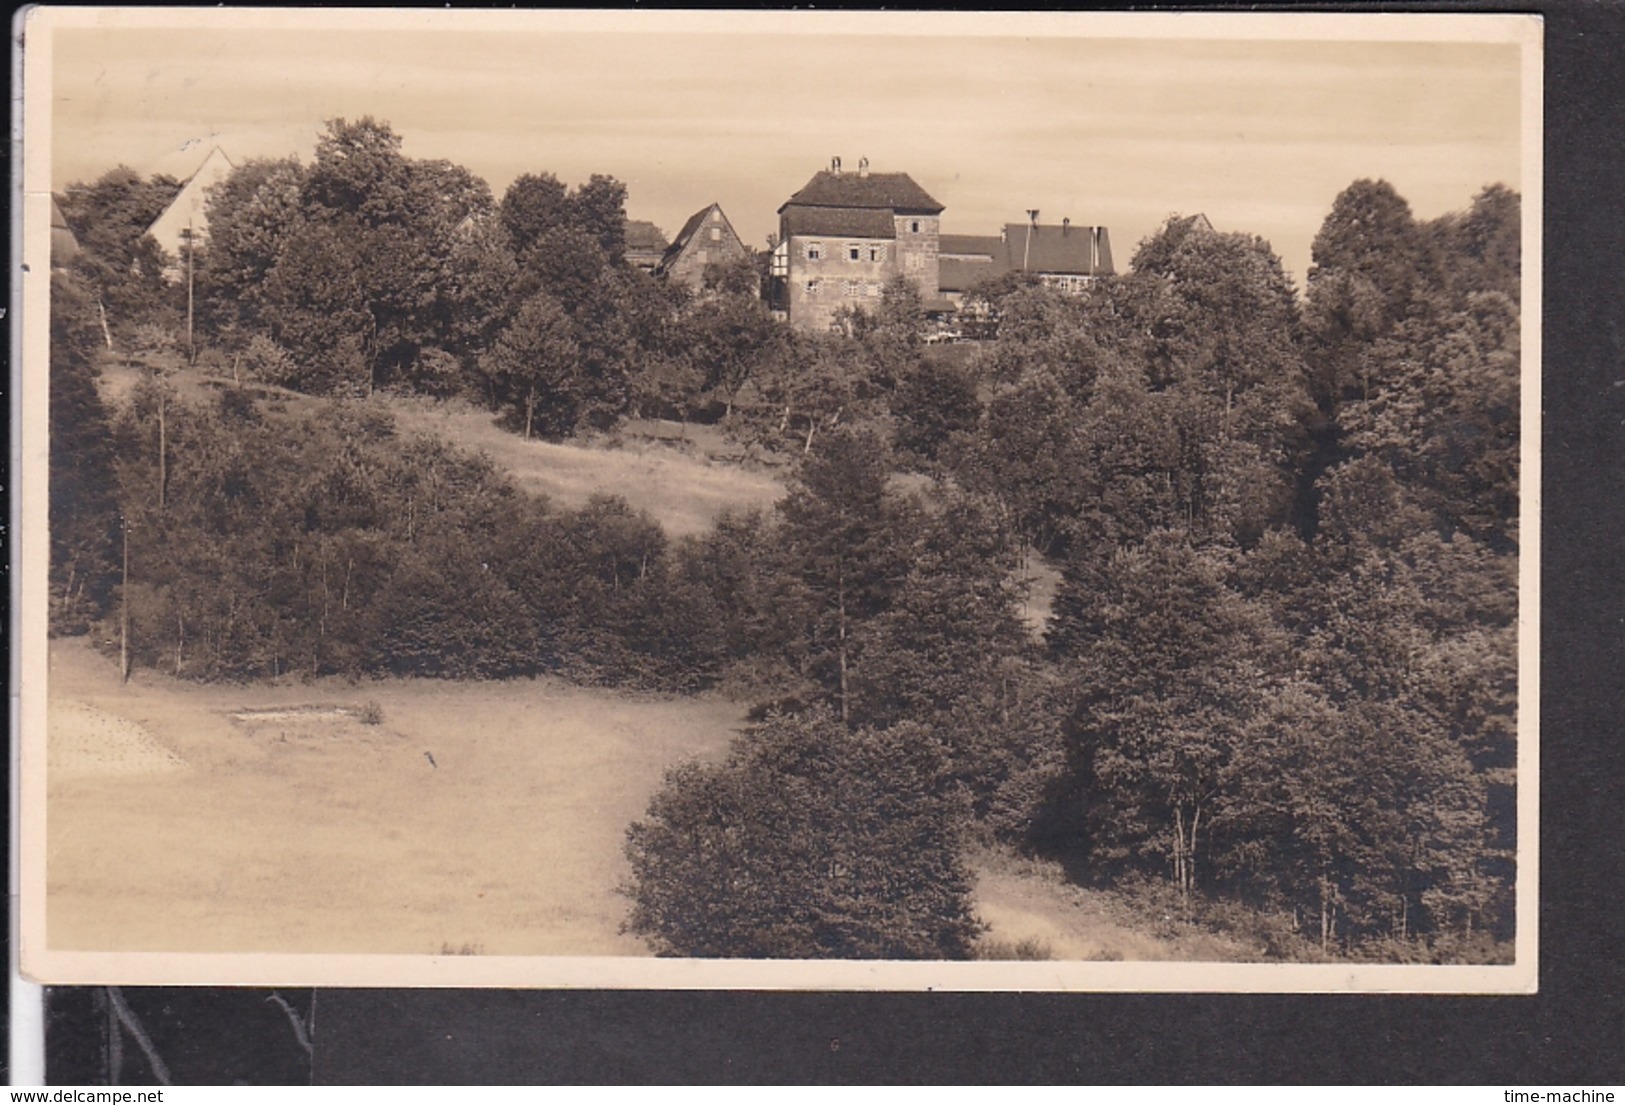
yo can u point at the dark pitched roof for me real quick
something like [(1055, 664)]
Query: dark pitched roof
[(1054, 250), (956, 275), (970, 245), (695, 221), (1047, 248), (836, 222), (888, 191), (643, 235)]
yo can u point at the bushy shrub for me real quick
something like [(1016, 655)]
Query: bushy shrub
[(267, 362), (812, 841)]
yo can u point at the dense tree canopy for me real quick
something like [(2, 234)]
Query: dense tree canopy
[(119, 263)]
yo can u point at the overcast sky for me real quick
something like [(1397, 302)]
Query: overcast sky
[(1258, 133)]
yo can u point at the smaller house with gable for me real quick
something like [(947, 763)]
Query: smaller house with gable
[(186, 218), (706, 237)]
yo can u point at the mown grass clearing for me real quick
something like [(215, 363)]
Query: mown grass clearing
[(672, 475), (477, 815), (476, 818), (684, 476)]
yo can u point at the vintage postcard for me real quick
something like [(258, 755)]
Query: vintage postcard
[(778, 499)]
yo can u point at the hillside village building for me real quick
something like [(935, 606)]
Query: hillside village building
[(1064, 257), (845, 234), (186, 214), (706, 237)]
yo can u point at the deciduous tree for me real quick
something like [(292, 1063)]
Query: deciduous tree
[(811, 841)]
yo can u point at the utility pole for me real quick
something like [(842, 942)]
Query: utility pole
[(187, 236), (124, 607), (1032, 225)]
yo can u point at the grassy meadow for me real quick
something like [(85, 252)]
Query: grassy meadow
[(215, 818)]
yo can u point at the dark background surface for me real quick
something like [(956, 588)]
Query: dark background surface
[(1573, 1032)]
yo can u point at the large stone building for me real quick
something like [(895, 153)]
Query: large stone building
[(845, 234)]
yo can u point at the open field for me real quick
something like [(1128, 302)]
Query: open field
[(681, 487), (474, 818), (174, 825)]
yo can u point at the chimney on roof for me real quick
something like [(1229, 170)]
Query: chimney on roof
[(863, 167), (1066, 225), (835, 166)]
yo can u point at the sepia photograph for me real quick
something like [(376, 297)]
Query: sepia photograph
[(779, 500)]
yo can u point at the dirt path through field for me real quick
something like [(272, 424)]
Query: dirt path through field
[(476, 818)]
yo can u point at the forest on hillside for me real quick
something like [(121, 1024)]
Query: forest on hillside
[(1280, 670)]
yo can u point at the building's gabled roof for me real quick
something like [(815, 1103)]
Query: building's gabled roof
[(838, 222), (1058, 250), (187, 210), (882, 191), (691, 228), (644, 236), (965, 260)]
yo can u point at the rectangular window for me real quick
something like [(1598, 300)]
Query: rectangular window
[(853, 251), (877, 253), (812, 287), (854, 289), (914, 226), (716, 234), (815, 251)]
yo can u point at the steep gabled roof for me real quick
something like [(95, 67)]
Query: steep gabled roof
[(692, 227), (839, 222), (188, 209), (883, 191)]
